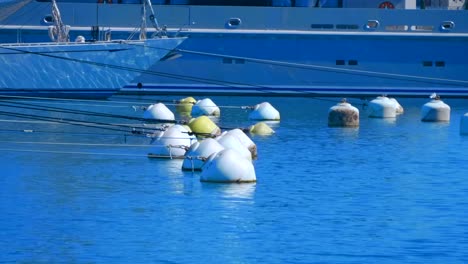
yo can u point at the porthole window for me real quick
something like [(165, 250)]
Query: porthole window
[(427, 63), (227, 60), (340, 62), (372, 24), (48, 19), (234, 22), (447, 25)]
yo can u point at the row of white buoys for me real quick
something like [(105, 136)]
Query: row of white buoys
[(384, 107), (343, 115), (227, 158), (221, 157), (263, 111), (435, 110)]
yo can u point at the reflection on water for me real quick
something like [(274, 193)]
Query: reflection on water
[(238, 190), (396, 186)]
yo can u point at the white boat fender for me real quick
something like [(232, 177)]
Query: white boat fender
[(228, 166), (245, 140), (382, 107), (230, 141), (203, 126), (261, 128), (158, 111), (80, 39), (173, 143), (264, 111), (199, 152), (205, 107), (464, 124), (343, 115), (435, 111)]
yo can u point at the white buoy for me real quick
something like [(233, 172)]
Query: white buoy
[(264, 111), (382, 107), (435, 111), (464, 124), (230, 141), (205, 107), (80, 39), (158, 111), (245, 140), (199, 152), (228, 166), (173, 143), (343, 115), (399, 108)]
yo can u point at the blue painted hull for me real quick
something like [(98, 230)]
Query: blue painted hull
[(291, 51)]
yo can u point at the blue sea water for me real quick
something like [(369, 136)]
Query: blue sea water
[(390, 191)]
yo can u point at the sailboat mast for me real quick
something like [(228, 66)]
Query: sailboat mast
[(152, 18), (58, 32)]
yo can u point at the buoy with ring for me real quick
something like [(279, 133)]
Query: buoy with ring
[(387, 5)]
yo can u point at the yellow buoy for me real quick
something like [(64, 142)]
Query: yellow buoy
[(185, 105), (261, 128), (204, 127)]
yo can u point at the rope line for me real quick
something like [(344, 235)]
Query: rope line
[(75, 144), (72, 152), (82, 112), (69, 121)]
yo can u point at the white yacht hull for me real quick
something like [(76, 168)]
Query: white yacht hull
[(78, 67)]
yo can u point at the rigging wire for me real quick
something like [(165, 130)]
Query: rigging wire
[(99, 125), (327, 68), (72, 152), (86, 113), (27, 131)]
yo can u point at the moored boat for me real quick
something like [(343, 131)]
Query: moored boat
[(80, 68), (403, 47)]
